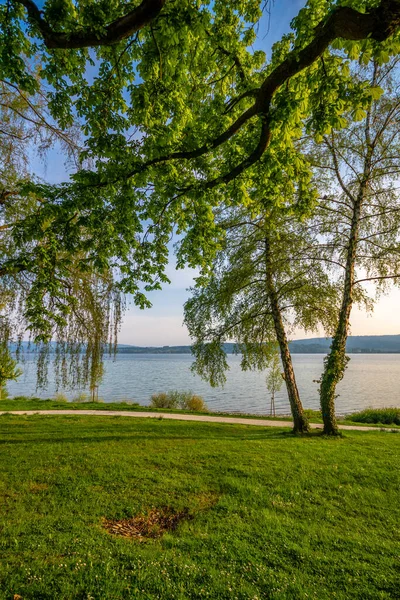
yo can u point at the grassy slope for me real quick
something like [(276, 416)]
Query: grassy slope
[(275, 516)]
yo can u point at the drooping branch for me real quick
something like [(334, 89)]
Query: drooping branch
[(116, 31)]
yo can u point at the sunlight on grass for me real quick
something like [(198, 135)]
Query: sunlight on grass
[(271, 515)]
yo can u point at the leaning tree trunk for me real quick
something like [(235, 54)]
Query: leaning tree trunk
[(335, 363), (300, 421)]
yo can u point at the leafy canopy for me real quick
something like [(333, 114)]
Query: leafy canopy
[(178, 116), (176, 107)]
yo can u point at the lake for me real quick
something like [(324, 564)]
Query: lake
[(370, 380)]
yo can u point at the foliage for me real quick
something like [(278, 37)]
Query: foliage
[(386, 416), (149, 86), (178, 399), (188, 76), (26, 124), (128, 402), (81, 398), (48, 293), (274, 379), (313, 415), (8, 367), (234, 302), (258, 517), (164, 400), (361, 207), (340, 169), (182, 83), (195, 403)]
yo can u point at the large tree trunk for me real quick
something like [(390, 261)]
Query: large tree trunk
[(300, 421), (335, 363)]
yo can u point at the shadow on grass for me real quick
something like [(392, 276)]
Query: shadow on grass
[(262, 435)]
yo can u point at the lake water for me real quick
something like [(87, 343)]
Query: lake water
[(370, 380)]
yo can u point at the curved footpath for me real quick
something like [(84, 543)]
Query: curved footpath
[(180, 417)]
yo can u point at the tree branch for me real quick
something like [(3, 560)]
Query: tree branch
[(115, 32), (11, 269), (343, 22), (376, 278)]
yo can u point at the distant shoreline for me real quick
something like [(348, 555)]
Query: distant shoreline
[(155, 351), (368, 344)]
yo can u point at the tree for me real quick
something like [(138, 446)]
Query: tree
[(267, 277), (204, 97), (53, 294), (274, 380), (361, 212), (176, 109)]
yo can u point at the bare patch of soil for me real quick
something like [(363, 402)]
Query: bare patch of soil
[(149, 526)]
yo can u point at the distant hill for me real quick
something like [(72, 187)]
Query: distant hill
[(365, 344), (356, 344)]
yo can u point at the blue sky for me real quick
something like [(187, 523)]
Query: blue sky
[(162, 324)]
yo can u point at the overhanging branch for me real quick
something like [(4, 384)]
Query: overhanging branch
[(116, 31), (343, 22), (394, 276)]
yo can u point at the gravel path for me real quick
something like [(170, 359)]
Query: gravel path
[(202, 418)]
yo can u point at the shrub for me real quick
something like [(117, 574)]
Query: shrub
[(177, 399), (128, 403), (181, 398), (164, 400), (385, 416), (195, 403), (81, 398), (31, 399), (59, 397)]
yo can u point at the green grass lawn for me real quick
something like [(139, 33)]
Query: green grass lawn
[(271, 515)]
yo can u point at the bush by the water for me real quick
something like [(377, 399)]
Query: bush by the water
[(163, 400), (195, 403), (60, 397), (81, 398), (177, 399), (385, 416)]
